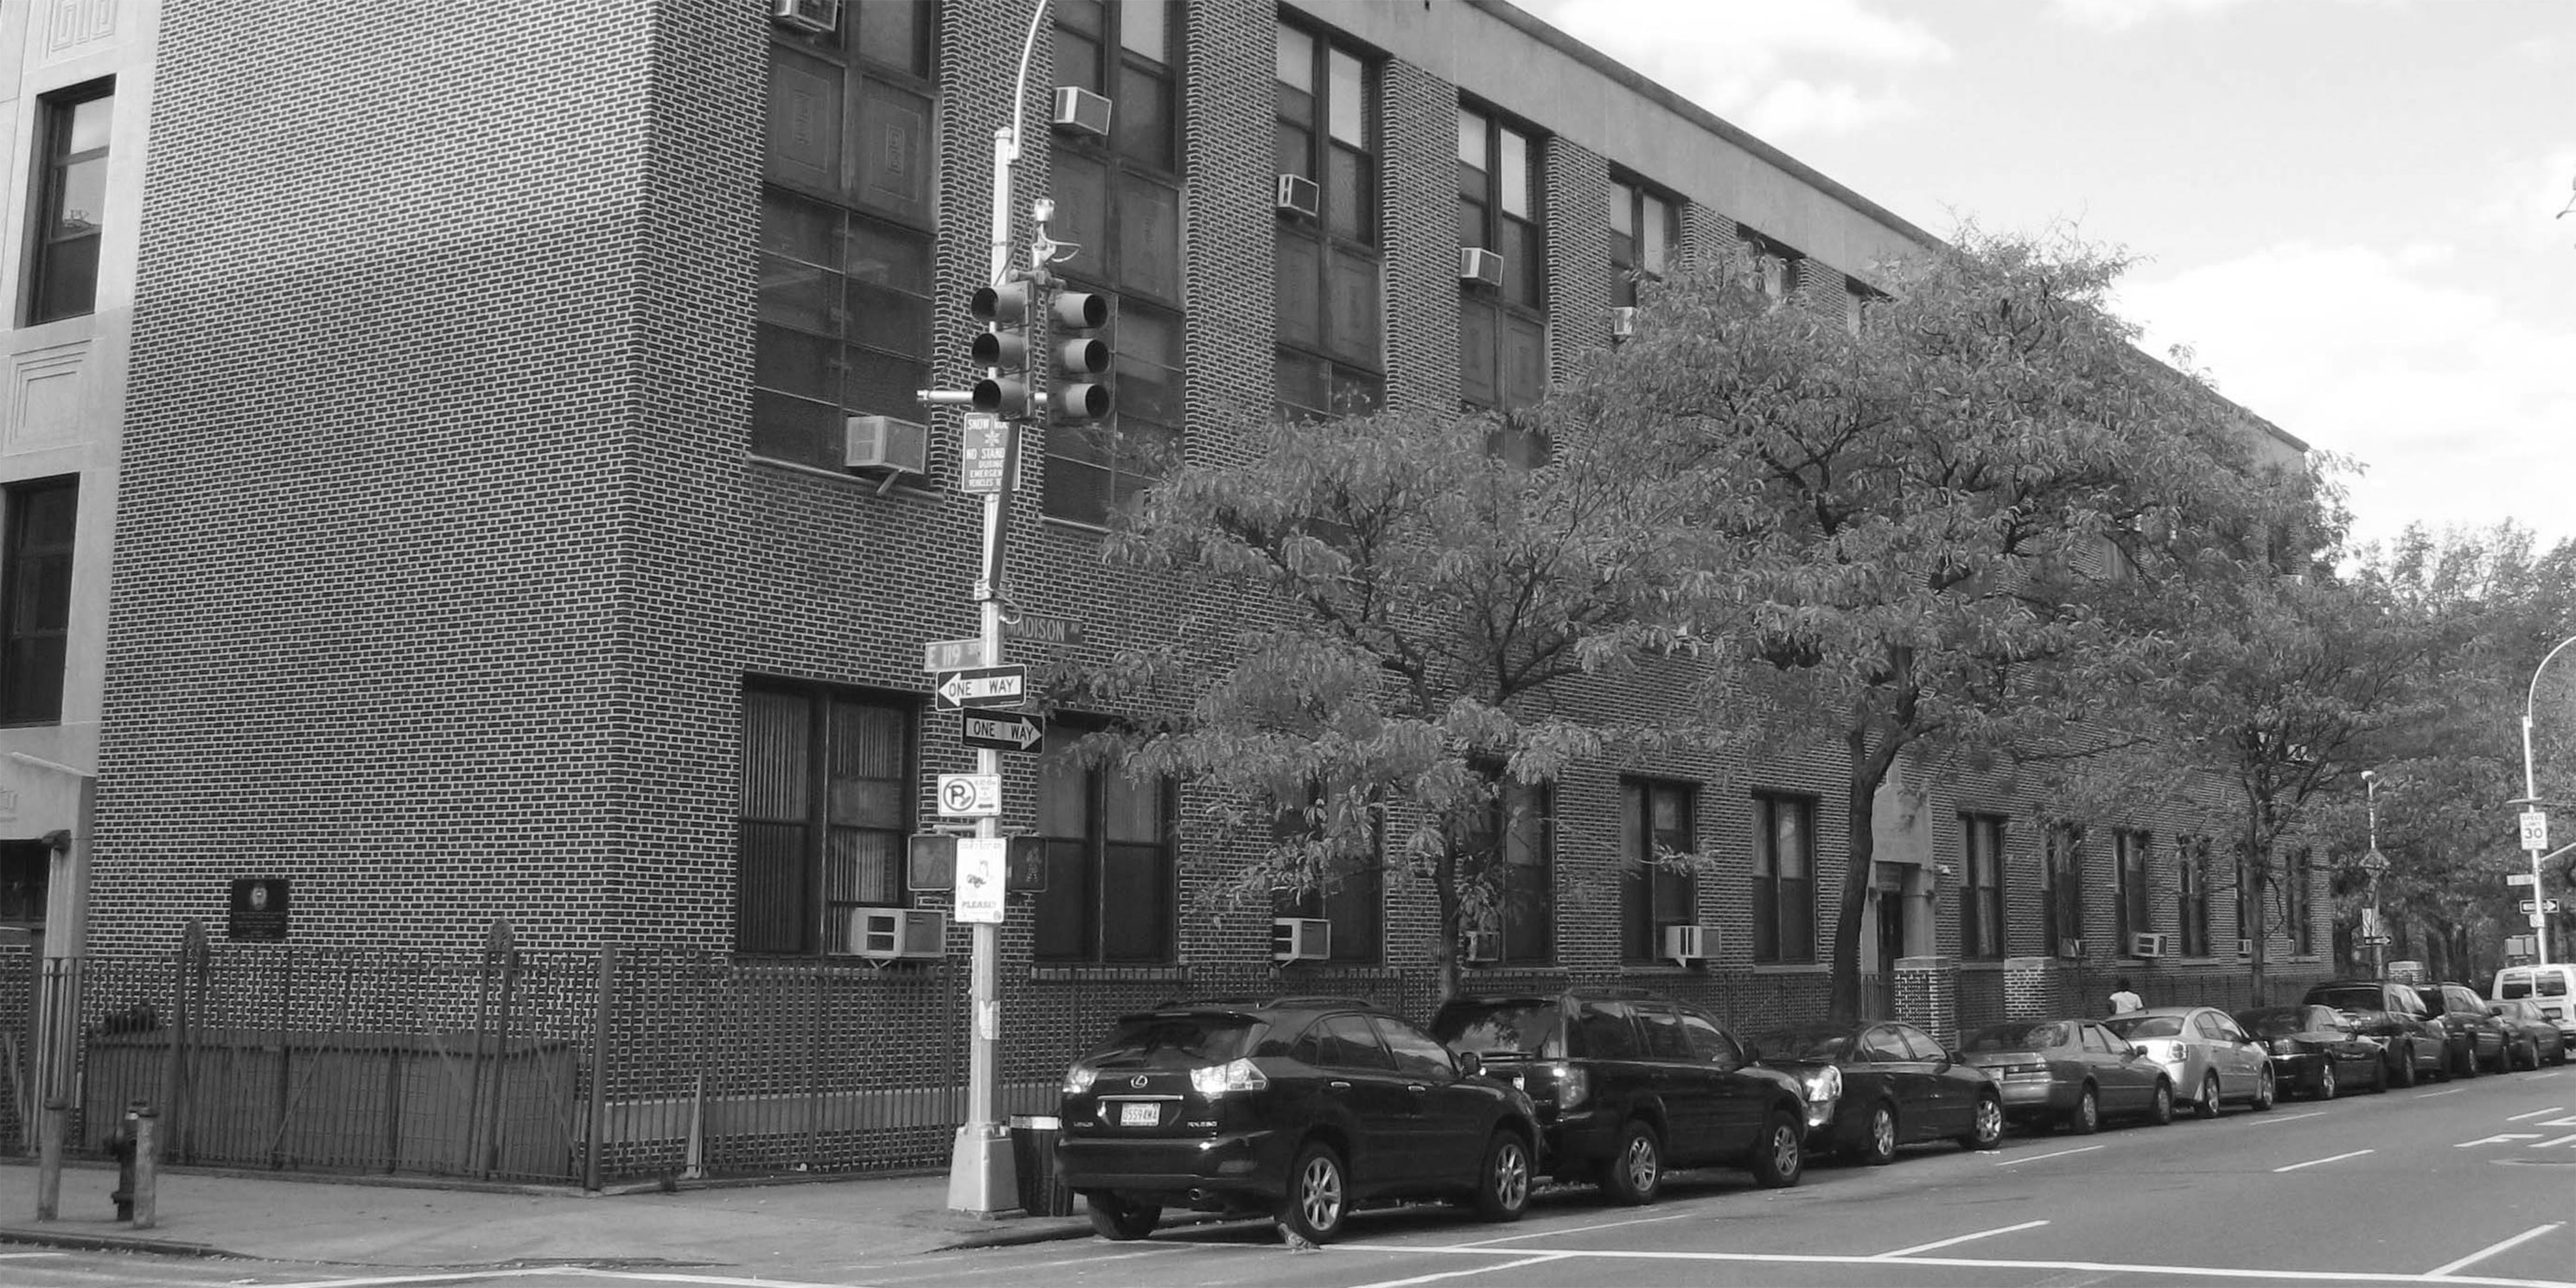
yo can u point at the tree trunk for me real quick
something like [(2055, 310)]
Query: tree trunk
[(1444, 952), (1868, 771), (2257, 866)]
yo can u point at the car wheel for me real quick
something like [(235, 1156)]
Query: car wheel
[(1986, 1130), (1782, 1156), (1634, 1173), (2086, 1117), (2467, 1064), (2326, 1079), (2207, 1105), (1503, 1187), (2160, 1109), (1115, 1218), (1319, 1195), (2265, 1090)]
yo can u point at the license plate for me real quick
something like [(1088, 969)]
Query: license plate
[(1144, 1114)]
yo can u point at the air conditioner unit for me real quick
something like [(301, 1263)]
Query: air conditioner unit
[(885, 443), (1300, 939), (819, 16), (2146, 944), (1477, 264), (1686, 944), (1079, 111), (1298, 195), (1484, 946), (2244, 947), (1623, 321), (2070, 948), (898, 934)]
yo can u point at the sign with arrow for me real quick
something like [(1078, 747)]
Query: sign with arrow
[(983, 686), (1001, 730), (2540, 905)]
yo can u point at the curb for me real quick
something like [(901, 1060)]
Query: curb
[(41, 1237)]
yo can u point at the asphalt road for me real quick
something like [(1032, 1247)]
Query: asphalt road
[(2469, 1183)]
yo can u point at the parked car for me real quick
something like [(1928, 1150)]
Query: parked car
[(2537, 1038), (2474, 1036), (2070, 1072), (2551, 987), (2201, 1049), (2395, 1014), (1879, 1085), (1628, 1085), (2317, 1050), (1299, 1107)]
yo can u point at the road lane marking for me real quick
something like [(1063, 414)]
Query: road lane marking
[(2285, 1118), (2547, 1144), (1964, 1263), (1981, 1234), (2499, 1138), (29, 1256), (1578, 1229), (2315, 1161), (2038, 1157), (2484, 1253), (2427, 1095), (1541, 1259), (2536, 1113)]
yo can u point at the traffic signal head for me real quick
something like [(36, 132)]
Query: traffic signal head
[(1082, 359), (1002, 349)]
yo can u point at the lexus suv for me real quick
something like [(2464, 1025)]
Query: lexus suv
[(1298, 1107)]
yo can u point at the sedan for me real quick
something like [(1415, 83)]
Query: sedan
[(2536, 1035), (1878, 1085), (2070, 1073), (2201, 1048), (2317, 1050)]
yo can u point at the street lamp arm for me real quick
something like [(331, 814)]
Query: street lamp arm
[(2531, 796)]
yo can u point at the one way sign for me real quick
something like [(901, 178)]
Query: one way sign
[(1001, 730), (983, 686)]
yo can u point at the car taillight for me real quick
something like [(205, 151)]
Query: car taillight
[(1077, 1079), (2025, 1072), (1573, 1086), (1232, 1077)]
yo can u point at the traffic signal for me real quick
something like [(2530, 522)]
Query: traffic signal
[(1003, 349), (1082, 359)]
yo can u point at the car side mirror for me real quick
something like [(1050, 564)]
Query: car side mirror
[(1752, 1054), (2136, 1048), (1470, 1064)]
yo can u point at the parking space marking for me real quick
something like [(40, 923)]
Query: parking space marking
[(2484, 1253), (1539, 1260), (29, 1256), (2316, 1161), (2284, 1118), (2447, 1091), (2536, 1113), (1981, 1234), (1961, 1263), (1577, 1229), (2039, 1157)]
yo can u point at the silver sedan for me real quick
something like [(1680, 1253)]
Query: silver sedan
[(2203, 1050)]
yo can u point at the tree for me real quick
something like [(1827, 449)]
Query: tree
[(1394, 623), (1933, 523)]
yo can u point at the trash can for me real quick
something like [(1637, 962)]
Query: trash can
[(1033, 1138)]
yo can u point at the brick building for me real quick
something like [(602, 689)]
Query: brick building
[(426, 477)]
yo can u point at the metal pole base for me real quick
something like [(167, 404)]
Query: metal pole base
[(983, 1178)]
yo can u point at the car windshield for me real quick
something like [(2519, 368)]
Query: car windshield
[(2146, 1026), (1172, 1040), (2350, 999), (2274, 1021), (1499, 1028), (1807, 1044), (2017, 1037)]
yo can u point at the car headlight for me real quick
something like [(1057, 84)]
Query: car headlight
[(1823, 1085)]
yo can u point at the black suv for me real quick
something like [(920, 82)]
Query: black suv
[(2396, 1015), (2478, 1041), (1628, 1084), (1300, 1107)]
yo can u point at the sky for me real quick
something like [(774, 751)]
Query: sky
[(2344, 208)]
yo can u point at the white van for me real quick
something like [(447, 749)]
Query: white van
[(2552, 987)]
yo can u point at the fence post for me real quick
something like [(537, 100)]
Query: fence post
[(590, 1166)]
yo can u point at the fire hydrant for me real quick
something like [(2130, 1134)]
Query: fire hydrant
[(126, 1141)]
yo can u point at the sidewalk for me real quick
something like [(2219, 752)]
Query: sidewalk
[(367, 1223)]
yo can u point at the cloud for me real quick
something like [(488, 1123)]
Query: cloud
[(1803, 107), (2121, 15), (1729, 56)]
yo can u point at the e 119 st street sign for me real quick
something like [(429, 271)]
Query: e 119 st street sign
[(983, 686), (1001, 730)]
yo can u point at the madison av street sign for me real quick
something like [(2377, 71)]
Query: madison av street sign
[(1001, 730)]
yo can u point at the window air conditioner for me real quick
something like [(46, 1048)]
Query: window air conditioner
[(1479, 265), (1623, 321), (1298, 195), (2244, 947), (1686, 944), (2146, 944), (885, 443), (1300, 939), (2070, 948), (819, 16), (1484, 946), (1079, 111), (898, 934)]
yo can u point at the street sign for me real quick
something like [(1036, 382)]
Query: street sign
[(2374, 862), (2539, 920), (931, 862), (981, 861), (951, 655), (970, 795), (2535, 829), (2520, 878), (2540, 905), (1039, 628), (983, 452), (2370, 923), (1001, 730), (2374, 941), (983, 686)]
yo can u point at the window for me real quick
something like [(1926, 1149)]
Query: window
[(1654, 824), (1981, 886), (26, 870), (1331, 360), (2062, 871), (1523, 817), (2130, 848), (36, 598), (1502, 332), (845, 230), (827, 802), (1119, 201), (1645, 235), (71, 201), (1351, 895), (1780, 270), (2297, 888), (2191, 855), (1784, 885), (1108, 895)]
